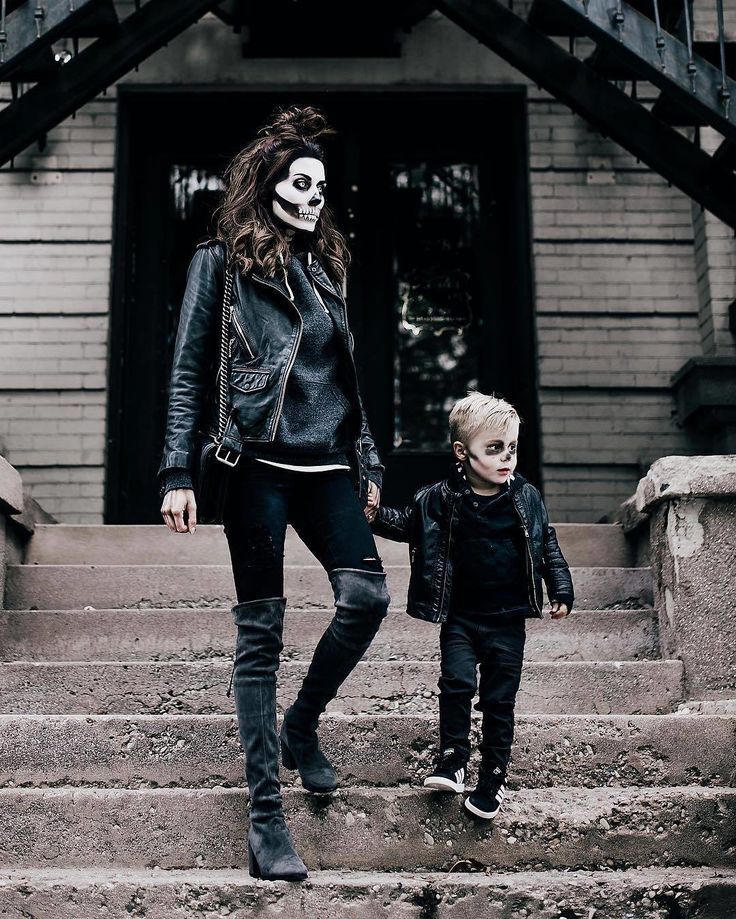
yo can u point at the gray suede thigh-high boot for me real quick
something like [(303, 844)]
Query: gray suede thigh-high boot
[(361, 603), (271, 853)]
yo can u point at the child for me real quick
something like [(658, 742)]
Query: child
[(480, 543)]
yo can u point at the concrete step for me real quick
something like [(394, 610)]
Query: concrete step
[(198, 687), (383, 750), (371, 828), (152, 586), (642, 893), (584, 544), (187, 634)]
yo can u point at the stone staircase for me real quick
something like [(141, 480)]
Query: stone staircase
[(121, 778)]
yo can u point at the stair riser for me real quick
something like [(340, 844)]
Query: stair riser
[(105, 587), (372, 829), (203, 634), (603, 895), (407, 687), (583, 544), (383, 751)]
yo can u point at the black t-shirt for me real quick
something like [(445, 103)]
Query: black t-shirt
[(489, 558)]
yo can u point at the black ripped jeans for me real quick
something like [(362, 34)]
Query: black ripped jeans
[(496, 643), (322, 507)]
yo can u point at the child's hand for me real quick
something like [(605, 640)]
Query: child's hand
[(558, 610), (374, 500)]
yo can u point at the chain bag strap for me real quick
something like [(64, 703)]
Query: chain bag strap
[(225, 454), (216, 461)]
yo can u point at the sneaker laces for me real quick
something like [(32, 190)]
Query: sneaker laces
[(450, 759)]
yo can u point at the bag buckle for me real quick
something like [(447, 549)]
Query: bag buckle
[(226, 458)]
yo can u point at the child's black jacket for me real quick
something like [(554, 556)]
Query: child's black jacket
[(427, 524)]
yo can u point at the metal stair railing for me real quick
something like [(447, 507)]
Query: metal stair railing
[(33, 26), (88, 73), (709, 180), (641, 43)]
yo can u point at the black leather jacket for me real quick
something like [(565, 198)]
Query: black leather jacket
[(427, 524), (265, 333)]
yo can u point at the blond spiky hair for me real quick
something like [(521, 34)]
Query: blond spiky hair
[(477, 411)]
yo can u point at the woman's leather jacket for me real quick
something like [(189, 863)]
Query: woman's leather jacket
[(428, 525), (265, 332)]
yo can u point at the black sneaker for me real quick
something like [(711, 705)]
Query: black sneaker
[(448, 773), (487, 797)]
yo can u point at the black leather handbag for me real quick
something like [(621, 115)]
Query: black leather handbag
[(216, 462)]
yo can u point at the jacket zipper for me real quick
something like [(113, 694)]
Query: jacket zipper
[(316, 292), (292, 356), (242, 336), (530, 563), (447, 556)]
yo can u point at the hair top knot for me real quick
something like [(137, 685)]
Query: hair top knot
[(296, 123)]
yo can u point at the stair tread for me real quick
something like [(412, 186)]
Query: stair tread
[(541, 798), (81, 877), (627, 687), (340, 717), (291, 610), (306, 585), (44, 565), (197, 634), (83, 543), (53, 893), (386, 749), (373, 828), (419, 663)]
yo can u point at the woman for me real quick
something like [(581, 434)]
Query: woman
[(306, 454)]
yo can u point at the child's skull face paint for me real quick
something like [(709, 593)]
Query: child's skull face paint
[(299, 198), (489, 456)]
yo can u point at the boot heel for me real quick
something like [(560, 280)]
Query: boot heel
[(287, 758), (253, 867)]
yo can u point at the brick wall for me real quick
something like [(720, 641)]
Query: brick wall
[(617, 312), (616, 281)]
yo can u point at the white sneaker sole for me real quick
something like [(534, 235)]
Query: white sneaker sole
[(440, 784), (486, 815)]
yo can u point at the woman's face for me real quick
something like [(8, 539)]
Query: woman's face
[(299, 198)]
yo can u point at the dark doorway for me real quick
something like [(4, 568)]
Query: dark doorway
[(439, 293)]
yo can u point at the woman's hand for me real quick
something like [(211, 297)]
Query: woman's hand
[(179, 505), (558, 610), (374, 501)]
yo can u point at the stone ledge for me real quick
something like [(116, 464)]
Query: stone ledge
[(687, 477), (641, 893), (11, 489)]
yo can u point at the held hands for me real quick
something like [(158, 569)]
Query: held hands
[(179, 506), (558, 610), (374, 500)]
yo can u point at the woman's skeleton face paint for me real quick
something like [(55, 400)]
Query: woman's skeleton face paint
[(299, 198)]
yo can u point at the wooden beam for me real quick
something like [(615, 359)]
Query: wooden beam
[(604, 106), (93, 70)]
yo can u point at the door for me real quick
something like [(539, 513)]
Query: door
[(443, 277), (439, 290)]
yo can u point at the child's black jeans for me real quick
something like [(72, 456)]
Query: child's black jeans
[(496, 644)]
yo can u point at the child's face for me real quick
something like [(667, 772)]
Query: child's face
[(490, 456)]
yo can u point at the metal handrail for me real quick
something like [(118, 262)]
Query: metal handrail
[(724, 91), (691, 66), (3, 33), (659, 41)]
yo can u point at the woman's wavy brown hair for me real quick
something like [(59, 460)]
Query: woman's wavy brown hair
[(245, 220)]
